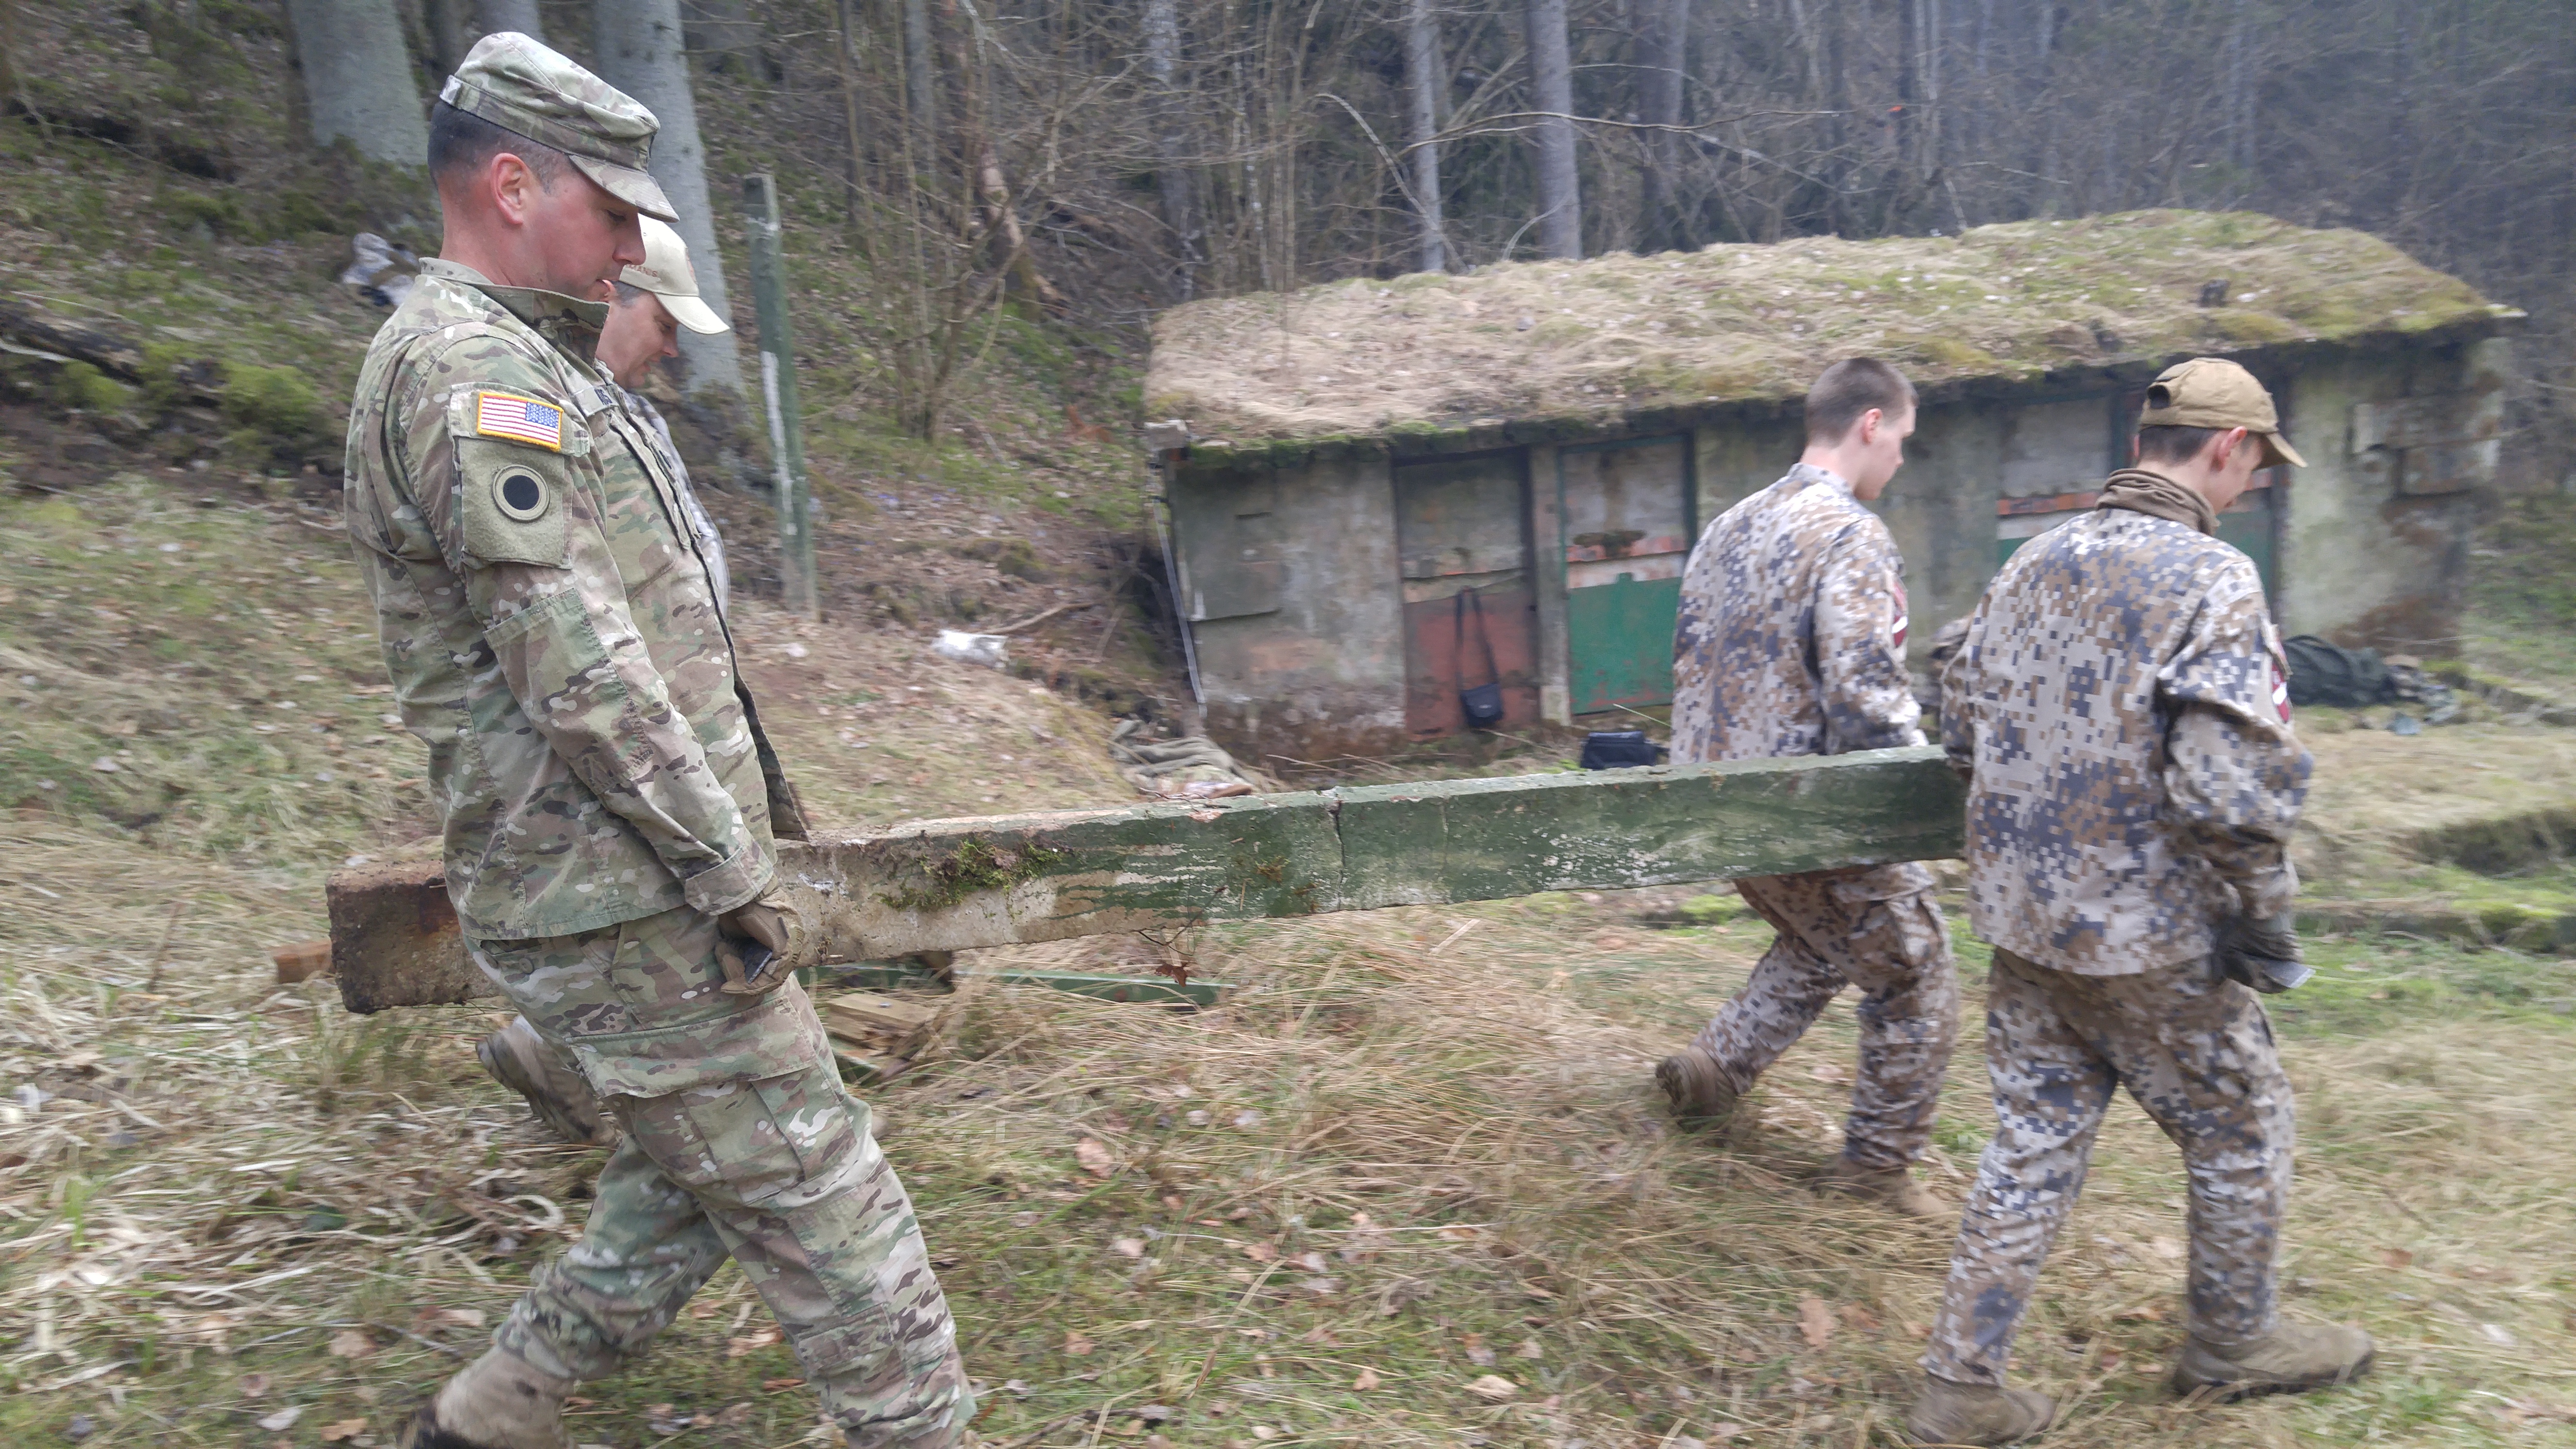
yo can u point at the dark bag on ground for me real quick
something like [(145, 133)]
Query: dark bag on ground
[(1482, 705), (2340, 678), (1619, 750)]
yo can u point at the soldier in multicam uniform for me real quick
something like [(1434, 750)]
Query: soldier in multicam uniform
[(654, 300), (2120, 708), (1791, 641), (610, 802)]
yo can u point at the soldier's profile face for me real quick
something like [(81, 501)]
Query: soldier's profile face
[(1882, 451), (584, 235), (640, 331)]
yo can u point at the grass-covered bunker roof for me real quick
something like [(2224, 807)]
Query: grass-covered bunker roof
[(1523, 351)]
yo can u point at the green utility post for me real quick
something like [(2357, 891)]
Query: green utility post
[(778, 393)]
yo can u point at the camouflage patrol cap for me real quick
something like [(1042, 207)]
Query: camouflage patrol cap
[(2212, 392), (524, 88)]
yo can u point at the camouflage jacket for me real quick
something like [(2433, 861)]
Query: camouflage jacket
[(2121, 708), (702, 528), (1791, 633), (549, 624)]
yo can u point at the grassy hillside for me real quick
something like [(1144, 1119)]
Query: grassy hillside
[(1409, 1151)]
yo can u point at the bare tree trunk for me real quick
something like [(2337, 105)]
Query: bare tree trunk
[(2051, 193), (358, 80), (725, 33), (1560, 195), (1002, 223), (846, 49), (1422, 78), (493, 16), (1659, 87), (1172, 174), (12, 84), (638, 43), (921, 82)]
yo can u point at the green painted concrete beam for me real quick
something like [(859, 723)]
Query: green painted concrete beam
[(945, 885)]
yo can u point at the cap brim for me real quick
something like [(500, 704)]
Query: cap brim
[(2277, 451), (636, 188), (693, 313)]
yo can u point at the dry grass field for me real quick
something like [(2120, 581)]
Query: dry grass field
[(1411, 1151)]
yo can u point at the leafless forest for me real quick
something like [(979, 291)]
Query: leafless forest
[(1115, 158)]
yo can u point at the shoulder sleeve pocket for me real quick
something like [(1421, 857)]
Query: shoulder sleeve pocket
[(510, 502)]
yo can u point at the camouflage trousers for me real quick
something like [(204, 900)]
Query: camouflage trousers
[(739, 1142), (2196, 1052), (1877, 928)]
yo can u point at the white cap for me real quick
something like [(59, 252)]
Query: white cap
[(666, 274)]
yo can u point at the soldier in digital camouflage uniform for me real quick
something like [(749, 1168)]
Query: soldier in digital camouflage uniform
[(1791, 641), (2120, 708), (610, 803)]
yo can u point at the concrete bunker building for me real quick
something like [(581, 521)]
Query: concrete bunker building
[(1373, 467)]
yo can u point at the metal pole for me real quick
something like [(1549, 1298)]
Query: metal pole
[(778, 395)]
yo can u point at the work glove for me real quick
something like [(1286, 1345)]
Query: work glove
[(2262, 952), (762, 944)]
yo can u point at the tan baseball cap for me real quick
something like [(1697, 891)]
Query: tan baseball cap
[(666, 274), (2212, 392), (522, 87)]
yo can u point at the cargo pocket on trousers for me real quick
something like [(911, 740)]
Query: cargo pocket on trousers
[(772, 1144)]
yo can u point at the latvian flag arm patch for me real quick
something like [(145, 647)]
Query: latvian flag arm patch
[(520, 419)]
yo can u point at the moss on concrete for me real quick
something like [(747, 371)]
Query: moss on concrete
[(1630, 335)]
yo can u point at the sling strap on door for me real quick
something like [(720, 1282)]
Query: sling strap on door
[(1482, 705)]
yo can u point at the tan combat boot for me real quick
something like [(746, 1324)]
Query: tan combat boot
[(529, 1065), (2293, 1358), (1949, 1413), (1699, 1092), (496, 1402), (1892, 1188)]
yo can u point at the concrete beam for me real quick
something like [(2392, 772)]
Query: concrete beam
[(946, 885)]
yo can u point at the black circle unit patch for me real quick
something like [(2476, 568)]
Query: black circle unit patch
[(520, 494)]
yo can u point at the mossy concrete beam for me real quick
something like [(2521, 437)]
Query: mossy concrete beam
[(945, 885)]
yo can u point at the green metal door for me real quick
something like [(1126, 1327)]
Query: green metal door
[(1624, 515)]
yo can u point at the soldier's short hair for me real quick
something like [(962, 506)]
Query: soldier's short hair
[(2172, 445), (461, 143), (627, 292), (1850, 388)]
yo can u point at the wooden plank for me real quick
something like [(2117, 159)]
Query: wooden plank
[(944, 885)]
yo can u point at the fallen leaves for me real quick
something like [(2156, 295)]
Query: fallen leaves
[(1477, 1353), (1128, 1247), (283, 1419), (2169, 1249), (1494, 1389), (352, 1343), (1529, 1349), (1366, 1381), (743, 1345), (2397, 1257), (1076, 1344), (345, 1429), (1261, 1252), (1095, 1157), (1815, 1322)]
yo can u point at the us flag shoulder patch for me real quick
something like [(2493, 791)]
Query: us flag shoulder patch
[(520, 419)]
